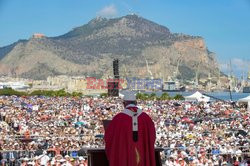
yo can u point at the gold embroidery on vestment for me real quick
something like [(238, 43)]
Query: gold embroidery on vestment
[(137, 156)]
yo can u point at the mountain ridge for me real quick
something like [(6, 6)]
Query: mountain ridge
[(89, 50)]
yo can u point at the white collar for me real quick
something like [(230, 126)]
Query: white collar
[(134, 116)]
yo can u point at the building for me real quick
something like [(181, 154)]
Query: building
[(70, 84), (38, 35)]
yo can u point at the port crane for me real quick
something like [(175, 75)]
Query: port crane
[(149, 71), (176, 72), (197, 65)]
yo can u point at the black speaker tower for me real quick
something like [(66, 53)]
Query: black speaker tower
[(113, 88)]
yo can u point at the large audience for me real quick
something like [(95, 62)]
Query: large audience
[(58, 130)]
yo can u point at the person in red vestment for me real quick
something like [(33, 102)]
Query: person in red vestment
[(130, 137)]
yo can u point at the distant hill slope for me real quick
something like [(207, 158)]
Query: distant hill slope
[(89, 49)]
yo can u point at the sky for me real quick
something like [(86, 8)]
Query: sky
[(224, 24)]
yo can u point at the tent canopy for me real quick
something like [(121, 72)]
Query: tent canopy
[(244, 100), (197, 96)]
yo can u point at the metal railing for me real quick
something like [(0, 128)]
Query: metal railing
[(15, 157)]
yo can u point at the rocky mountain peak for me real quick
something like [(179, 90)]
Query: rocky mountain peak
[(90, 48)]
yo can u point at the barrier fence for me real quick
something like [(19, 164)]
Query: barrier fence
[(246, 150), (19, 154), (44, 136), (15, 157)]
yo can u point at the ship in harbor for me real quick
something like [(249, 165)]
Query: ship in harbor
[(246, 89), (172, 86)]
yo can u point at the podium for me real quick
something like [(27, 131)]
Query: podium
[(97, 157)]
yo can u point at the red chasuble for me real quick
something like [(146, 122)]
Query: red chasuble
[(122, 150)]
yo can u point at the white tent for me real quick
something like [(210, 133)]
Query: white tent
[(121, 95), (245, 100), (197, 96)]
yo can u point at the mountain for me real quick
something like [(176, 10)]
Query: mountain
[(144, 48)]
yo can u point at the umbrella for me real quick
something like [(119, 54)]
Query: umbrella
[(99, 136), (67, 117), (177, 104), (81, 152), (242, 132), (23, 104), (196, 120), (205, 133), (29, 106), (79, 123), (190, 136), (186, 120), (29, 110), (38, 152)]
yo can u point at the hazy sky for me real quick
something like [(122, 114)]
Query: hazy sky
[(224, 24)]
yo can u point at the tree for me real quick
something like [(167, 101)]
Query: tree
[(178, 97), (152, 96), (165, 96), (103, 95), (10, 92)]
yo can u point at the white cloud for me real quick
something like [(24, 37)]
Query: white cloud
[(108, 11)]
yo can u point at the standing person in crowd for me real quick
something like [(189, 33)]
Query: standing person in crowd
[(130, 137), (65, 125)]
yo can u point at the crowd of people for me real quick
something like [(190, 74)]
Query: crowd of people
[(58, 130)]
